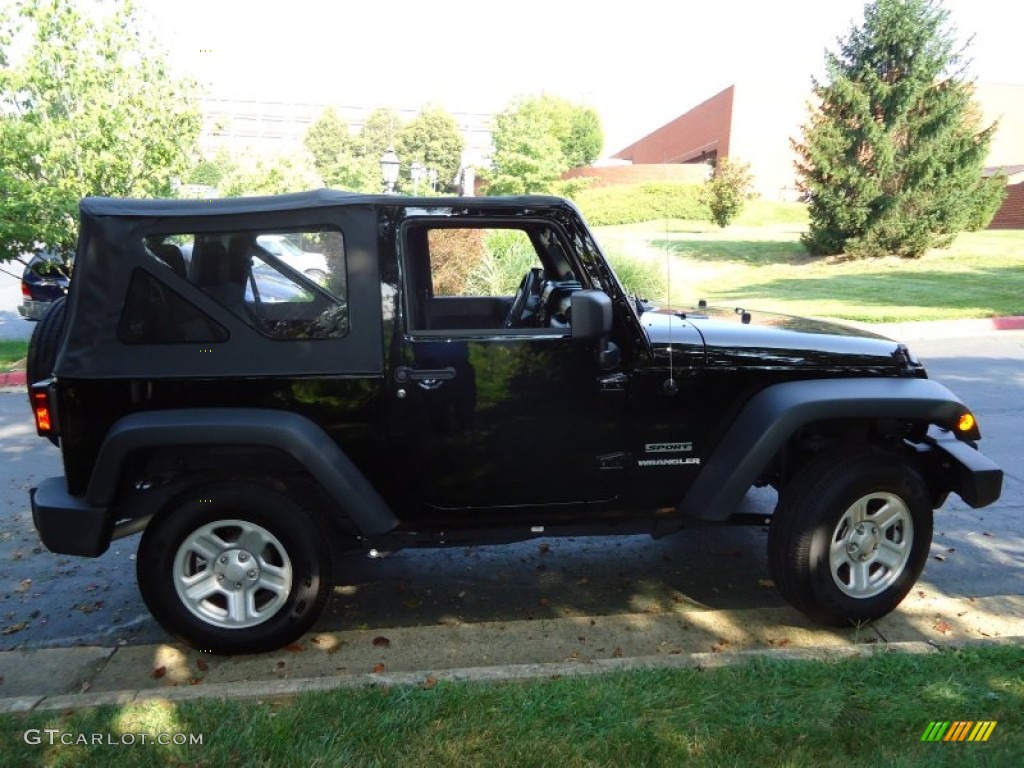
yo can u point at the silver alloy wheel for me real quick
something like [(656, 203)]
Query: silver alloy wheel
[(871, 545), (232, 574)]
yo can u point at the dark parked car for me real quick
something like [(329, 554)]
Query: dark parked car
[(44, 280), (254, 435)]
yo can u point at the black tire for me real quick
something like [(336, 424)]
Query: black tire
[(45, 341), (43, 346), (267, 562), (850, 536)]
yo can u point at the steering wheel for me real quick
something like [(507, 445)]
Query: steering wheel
[(528, 287)]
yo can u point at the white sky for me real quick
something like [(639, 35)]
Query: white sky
[(640, 63)]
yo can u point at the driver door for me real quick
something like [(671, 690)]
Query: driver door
[(498, 406)]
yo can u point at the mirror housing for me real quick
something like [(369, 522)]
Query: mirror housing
[(591, 316)]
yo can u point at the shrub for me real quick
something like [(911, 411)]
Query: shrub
[(727, 190), (635, 203)]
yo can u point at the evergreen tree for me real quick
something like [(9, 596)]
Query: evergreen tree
[(891, 157)]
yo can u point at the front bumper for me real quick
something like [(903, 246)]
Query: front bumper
[(979, 481), (67, 524), (34, 310)]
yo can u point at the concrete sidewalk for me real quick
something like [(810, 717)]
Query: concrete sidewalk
[(66, 678)]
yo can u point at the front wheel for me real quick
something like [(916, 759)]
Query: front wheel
[(850, 537), (235, 568)]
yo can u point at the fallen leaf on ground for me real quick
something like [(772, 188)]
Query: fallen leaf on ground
[(24, 586), (943, 626), (159, 672), (767, 583), (429, 683), (378, 668), (381, 642), (10, 630), (295, 648), (617, 653), (543, 602)]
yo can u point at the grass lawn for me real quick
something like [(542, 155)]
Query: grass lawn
[(858, 712), (11, 352), (759, 263)]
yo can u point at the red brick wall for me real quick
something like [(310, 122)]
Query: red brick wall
[(640, 174), (1011, 214), (704, 129)]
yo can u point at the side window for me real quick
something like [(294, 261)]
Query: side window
[(286, 285), (483, 277)]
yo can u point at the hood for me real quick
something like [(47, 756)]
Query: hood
[(737, 337)]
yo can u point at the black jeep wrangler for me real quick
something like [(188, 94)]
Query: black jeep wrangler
[(255, 424)]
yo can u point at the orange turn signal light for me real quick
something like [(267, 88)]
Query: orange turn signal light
[(966, 422)]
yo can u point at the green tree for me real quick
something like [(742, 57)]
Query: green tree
[(892, 154), (727, 190), (434, 140), (336, 155), (379, 132), (87, 107), (539, 138), (268, 176), (328, 141)]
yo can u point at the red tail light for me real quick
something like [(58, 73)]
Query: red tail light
[(41, 410), (25, 292)]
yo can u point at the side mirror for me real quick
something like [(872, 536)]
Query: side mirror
[(591, 319), (591, 315)]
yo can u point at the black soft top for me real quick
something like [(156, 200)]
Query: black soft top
[(111, 249), (92, 207)]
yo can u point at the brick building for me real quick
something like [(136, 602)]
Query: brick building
[(754, 122)]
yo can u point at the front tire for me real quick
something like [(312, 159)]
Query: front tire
[(234, 568), (850, 536)]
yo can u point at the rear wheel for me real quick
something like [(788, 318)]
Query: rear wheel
[(43, 346), (235, 568), (850, 536), (45, 341)]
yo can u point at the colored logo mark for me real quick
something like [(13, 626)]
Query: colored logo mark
[(958, 730)]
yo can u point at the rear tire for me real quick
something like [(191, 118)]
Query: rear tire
[(45, 342), (235, 567), (850, 536), (43, 346)]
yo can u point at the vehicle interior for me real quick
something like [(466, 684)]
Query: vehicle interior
[(461, 277)]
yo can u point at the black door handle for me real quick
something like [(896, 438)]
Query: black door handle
[(405, 374)]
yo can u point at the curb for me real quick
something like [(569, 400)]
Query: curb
[(493, 674), (941, 329), (12, 379)]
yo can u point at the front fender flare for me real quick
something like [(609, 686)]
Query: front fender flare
[(775, 413), (290, 433)]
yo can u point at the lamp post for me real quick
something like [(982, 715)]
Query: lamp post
[(417, 171), (389, 170)]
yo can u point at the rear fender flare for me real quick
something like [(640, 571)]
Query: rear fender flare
[(290, 433)]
